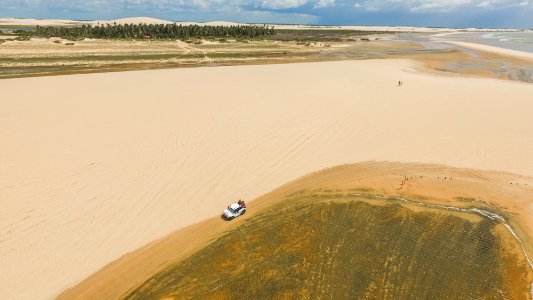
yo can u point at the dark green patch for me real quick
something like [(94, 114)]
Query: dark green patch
[(320, 35), (97, 58), (74, 64), (466, 199), (344, 250)]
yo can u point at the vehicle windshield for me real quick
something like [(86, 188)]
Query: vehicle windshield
[(231, 210)]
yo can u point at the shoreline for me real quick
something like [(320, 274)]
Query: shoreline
[(493, 49)]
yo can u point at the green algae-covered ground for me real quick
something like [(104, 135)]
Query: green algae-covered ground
[(348, 248)]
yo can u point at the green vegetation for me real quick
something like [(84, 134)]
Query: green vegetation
[(349, 248), (153, 31), (318, 35), (24, 37), (15, 27), (83, 58)]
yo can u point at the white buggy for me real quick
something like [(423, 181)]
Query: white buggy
[(234, 210)]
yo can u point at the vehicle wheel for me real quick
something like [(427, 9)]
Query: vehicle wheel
[(243, 212)]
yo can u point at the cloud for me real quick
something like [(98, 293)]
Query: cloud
[(437, 5), (324, 3), (286, 4), (455, 13), (261, 11), (282, 4), (273, 17), (492, 4), (173, 5)]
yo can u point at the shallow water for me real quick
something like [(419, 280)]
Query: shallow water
[(520, 41), (502, 68)]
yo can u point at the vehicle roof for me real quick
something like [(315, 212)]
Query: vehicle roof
[(234, 205)]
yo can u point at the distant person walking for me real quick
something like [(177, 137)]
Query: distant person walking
[(400, 83)]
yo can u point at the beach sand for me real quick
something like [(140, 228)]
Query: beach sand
[(95, 166)]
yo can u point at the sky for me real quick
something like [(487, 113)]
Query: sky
[(431, 13)]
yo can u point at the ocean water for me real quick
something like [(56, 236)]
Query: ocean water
[(519, 40)]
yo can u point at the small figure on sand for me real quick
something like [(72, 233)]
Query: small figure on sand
[(400, 83)]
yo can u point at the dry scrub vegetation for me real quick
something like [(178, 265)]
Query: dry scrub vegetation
[(50, 56), (315, 246)]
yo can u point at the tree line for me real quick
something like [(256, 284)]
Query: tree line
[(154, 31)]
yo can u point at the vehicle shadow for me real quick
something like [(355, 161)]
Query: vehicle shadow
[(223, 217)]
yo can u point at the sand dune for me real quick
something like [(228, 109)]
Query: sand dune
[(95, 166), (37, 22), (430, 184), (134, 20)]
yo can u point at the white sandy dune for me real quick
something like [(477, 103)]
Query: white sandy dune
[(94, 166), (134, 20), (60, 22), (37, 22)]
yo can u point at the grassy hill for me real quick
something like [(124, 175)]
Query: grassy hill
[(331, 246)]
